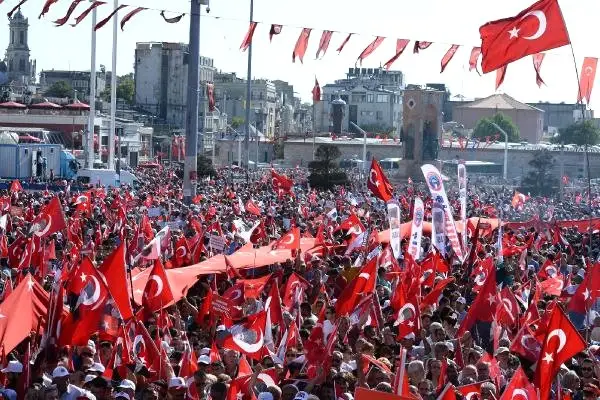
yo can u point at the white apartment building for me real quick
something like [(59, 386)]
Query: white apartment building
[(373, 99)]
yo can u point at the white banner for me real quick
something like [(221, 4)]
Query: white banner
[(438, 193), (438, 236), (416, 231), (394, 218), (462, 196)]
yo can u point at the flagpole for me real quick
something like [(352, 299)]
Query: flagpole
[(92, 99), (113, 93), (248, 97)]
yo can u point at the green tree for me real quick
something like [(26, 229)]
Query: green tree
[(236, 122), (540, 179), (204, 166), (580, 133), (485, 128), (324, 173), (60, 89), (126, 88)]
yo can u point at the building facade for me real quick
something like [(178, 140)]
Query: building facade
[(78, 80), (373, 99), (161, 71), (560, 115), (20, 67), (230, 93), (529, 120)]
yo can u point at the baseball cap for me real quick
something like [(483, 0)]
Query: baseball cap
[(502, 350), (96, 367), (122, 395), (127, 384), (177, 383), (89, 378), (14, 367), (60, 372), (204, 359), (205, 350), (461, 300), (301, 396)]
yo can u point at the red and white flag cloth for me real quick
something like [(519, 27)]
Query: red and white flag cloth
[(562, 342), (474, 58), (377, 182), (448, 56), (324, 43), (301, 45), (339, 49), (249, 35), (370, 48), (586, 81), (50, 220), (157, 293), (400, 47), (500, 75), (519, 387), (248, 337), (291, 240), (420, 45), (275, 30), (537, 66), (538, 28), (130, 15)]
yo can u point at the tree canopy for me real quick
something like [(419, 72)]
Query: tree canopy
[(540, 180), (485, 128), (126, 88), (60, 89), (323, 171), (580, 133)]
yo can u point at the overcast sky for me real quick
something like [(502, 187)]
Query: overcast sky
[(444, 22)]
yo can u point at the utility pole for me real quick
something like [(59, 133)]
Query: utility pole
[(190, 177), (91, 121), (113, 100), (248, 95)]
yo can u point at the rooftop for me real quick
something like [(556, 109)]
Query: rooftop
[(500, 102)]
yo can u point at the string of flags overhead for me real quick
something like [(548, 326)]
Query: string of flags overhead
[(539, 28)]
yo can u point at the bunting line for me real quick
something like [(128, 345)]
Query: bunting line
[(130, 15)]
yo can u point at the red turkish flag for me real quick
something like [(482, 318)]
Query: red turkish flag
[(537, 66), (526, 344), (587, 291), (475, 53), (316, 92), (448, 56), (400, 47), (273, 304), (113, 269), (324, 43), (15, 186), (248, 38), (275, 30), (301, 45), (470, 391), (538, 28), (252, 208), (50, 220), (561, 343), (483, 306), (507, 312), (157, 293), (519, 386), (370, 48), (290, 240), (363, 284), (248, 337), (586, 81), (378, 183)]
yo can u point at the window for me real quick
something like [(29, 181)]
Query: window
[(379, 115), (12, 37), (382, 98), (370, 98), (358, 98), (22, 65), (22, 37)]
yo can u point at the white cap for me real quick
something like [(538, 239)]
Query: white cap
[(14, 367), (204, 359), (265, 396), (177, 382), (89, 378), (461, 300), (60, 372), (92, 346), (205, 350), (97, 367), (221, 328), (122, 395), (126, 384)]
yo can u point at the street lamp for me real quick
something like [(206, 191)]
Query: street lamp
[(505, 149)]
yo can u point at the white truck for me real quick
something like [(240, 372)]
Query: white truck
[(107, 177)]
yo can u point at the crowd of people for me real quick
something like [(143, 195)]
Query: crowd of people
[(338, 316)]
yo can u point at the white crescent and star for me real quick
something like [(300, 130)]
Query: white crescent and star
[(562, 339), (290, 239), (183, 252), (376, 181), (88, 301), (401, 319), (519, 393), (237, 331), (543, 24), (46, 228), (525, 339), (159, 285)]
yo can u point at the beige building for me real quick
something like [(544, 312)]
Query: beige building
[(529, 120)]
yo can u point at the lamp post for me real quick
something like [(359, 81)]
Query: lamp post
[(505, 172)]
